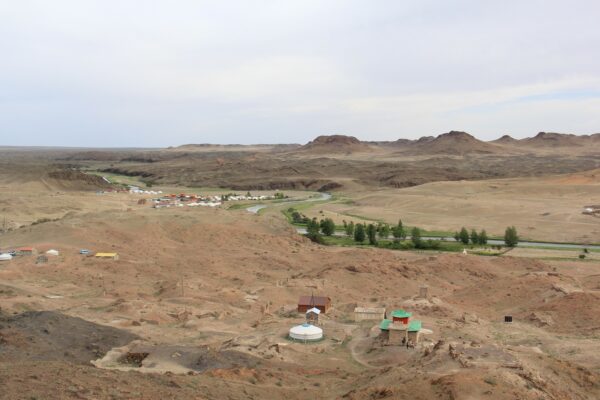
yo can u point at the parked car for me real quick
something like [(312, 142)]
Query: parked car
[(84, 251)]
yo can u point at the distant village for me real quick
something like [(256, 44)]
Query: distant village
[(189, 200)]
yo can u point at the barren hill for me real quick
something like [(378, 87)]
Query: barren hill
[(551, 139), (505, 139), (212, 293), (48, 177), (454, 143), (208, 147), (335, 144)]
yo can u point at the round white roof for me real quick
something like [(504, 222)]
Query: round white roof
[(306, 332)]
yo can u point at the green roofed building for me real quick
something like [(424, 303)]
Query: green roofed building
[(400, 314), (401, 329)]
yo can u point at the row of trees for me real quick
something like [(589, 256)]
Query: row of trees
[(511, 238), (362, 231), (371, 232), (380, 230), (474, 237)]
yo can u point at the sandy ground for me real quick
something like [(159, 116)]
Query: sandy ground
[(212, 293), (200, 301)]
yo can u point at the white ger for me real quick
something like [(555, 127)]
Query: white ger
[(306, 332)]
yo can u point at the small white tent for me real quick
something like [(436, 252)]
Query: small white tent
[(52, 252), (5, 257)]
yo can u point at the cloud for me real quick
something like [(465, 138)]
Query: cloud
[(157, 74)]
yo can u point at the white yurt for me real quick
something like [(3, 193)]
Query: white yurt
[(306, 332), (5, 257), (52, 252)]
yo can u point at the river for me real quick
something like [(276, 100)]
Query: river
[(257, 207)]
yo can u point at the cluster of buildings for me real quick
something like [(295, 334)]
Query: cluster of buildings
[(186, 200), (27, 251), (138, 190), (42, 257), (400, 329), (193, 200), (312, 307)]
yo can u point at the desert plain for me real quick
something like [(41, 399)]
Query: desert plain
[(199, 303)]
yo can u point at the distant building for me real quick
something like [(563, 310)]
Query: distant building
[(107, 256), (305, 303), (25, 251), (401, 330), (312, 316), (369, 313)]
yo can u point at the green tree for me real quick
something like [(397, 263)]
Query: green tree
[(372, 234), (483, 238), (359, 233), (474, 237), (415, 237), (384, 231), (398, 231), (457, 236), (313, 227), (296, 217), (464, 235), (350, 228), (312, 230), (328, 227), (511, 238)]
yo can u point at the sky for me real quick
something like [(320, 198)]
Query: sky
[(144, 73)]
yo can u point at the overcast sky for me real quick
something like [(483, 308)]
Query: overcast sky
[(159, 73)]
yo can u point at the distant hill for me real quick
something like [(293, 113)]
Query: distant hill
[(551, 139), (335, 144), (506, 139), (423, 139), (207, 147), (453, 143)]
